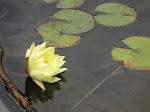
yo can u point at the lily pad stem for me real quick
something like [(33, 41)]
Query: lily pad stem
[(107, 77)]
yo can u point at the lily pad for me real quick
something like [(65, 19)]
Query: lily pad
[(55, 38), (138, 57), (115, 14), (49, 1), (69, 3), (75, 21)]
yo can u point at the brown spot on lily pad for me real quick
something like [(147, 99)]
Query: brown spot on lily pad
[(115, 14), (65, 4), (75, 21), (49, 1), (138, 57), (55, 38)]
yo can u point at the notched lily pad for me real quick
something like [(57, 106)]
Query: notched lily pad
[(49, 1), (69, 3), (115, 14), (138, 57), (75, 21), (55, 38)]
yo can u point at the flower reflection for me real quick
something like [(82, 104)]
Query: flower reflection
[(32, 90)]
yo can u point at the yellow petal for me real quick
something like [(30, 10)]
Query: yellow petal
[(59, 71), (49, 50), (27, 53), (31, 64), (35, 74), (38, 54), (61, 63), (39, 48), (42, 67), (60, 58), (39, 83), (52, 60), (32, 47), (42, 76), (54, 79), (40, 60), (58, 65)]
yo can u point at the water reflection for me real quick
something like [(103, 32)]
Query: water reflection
[(31, 89), (86, 62)]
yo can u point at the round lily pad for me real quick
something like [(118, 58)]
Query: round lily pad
[(69, 3), (138, 57), (115, 14), (75, 21), (49, 1), (55, 38)]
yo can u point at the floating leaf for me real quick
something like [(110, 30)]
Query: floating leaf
[(69, 3), (55, 38), (76, 21), (138, 57), (115, 14), (49, 1)]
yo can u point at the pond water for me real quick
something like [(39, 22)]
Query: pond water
[(88, 62)]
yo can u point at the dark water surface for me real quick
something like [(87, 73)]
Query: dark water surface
[(88, 62)]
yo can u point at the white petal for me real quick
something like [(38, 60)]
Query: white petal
[(39, 83), (60, 71), (54, 79)]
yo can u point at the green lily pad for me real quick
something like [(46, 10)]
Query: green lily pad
[(49, 1), (115, 14), (69, 3), (75, 21), (138, 57), (55, 38)]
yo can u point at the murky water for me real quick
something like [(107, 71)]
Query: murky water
[(88, 62)]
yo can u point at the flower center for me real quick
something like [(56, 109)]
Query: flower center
[(46, 61)]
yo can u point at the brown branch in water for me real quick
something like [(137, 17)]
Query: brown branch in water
[(98, 85), (13, 90)]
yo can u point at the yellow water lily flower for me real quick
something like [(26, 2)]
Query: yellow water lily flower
[(42, 64)]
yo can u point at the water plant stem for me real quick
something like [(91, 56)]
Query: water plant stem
[(12, 90), (98, 85)]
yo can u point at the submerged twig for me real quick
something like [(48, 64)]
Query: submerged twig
[(13, 90), (112, 74), (4, 14)]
